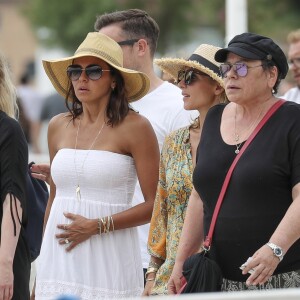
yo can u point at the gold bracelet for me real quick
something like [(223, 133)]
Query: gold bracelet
[(104, 224), (108, 225), (150, 279), (112, 222), (99, 226), (153, 264), (150, 270)]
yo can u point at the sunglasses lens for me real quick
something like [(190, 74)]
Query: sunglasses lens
[(180, 75), (189, 76), (74, 73), (94, 72), (241, 69), (224, 69)]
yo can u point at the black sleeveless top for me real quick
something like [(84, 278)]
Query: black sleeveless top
[(260, 190), (13, 168)]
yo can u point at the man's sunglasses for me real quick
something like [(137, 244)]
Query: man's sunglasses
[(241, 69), (188, 76), (295, 61), (128, 42), (93, 72)]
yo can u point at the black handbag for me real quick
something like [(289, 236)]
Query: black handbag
[(201, 273), (37, 198)]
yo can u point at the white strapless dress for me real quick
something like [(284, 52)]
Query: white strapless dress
[(103, 267)]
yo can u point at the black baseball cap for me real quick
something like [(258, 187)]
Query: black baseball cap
[(257, 47)]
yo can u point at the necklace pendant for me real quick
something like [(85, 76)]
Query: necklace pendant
[(78, 195), (237, 151)]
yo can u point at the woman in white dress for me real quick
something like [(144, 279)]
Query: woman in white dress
[(97, 151)]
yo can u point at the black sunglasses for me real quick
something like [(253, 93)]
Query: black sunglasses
[(93, 72), (128, 42), (188, 76)]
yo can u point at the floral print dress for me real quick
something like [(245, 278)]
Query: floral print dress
[(174, 189)]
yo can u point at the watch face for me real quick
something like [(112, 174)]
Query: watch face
[(277, 251)]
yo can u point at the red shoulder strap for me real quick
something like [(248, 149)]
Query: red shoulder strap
[(270, 112)]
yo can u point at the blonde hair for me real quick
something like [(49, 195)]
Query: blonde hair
[(8, 94), (293, 36)]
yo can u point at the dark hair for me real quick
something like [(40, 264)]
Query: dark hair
[(135, 23), (270, 64), (117, 108)]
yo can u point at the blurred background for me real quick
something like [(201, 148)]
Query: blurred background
[(32, 30)]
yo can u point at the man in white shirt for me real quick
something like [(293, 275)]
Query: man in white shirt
[(293, 39), (137, 33)]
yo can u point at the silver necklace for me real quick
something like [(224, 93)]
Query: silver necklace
[(78, 195), (249, 128)]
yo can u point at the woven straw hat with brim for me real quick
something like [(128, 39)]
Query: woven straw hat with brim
[(203, 59), (98, 45)]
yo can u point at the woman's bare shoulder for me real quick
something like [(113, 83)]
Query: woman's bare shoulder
[(59, 120), (136, 120)]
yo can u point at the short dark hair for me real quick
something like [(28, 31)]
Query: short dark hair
[(268, 65), (135, 23)]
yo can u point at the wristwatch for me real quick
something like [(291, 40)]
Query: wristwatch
[(277, 251)]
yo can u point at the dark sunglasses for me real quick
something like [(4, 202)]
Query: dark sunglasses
[(128, 42), (241, 69), (93, 72), (188, 76)]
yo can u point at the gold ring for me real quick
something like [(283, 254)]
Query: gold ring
[(67, 241)]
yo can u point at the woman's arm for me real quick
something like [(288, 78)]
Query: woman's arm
[(9, 242), (190, 240), (143, 147), (54, 129), (264, 262), (152, 269), (158, 225)]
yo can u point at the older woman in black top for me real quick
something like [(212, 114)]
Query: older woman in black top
[(258, 224), (14, 252)]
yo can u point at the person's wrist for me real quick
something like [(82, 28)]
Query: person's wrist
[(150, 278), (277, 251), (6, 261)]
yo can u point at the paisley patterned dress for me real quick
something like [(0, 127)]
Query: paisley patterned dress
[(174, 189)]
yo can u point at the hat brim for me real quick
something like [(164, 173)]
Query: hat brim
[(137, 84), (221, 55), (172, 66)]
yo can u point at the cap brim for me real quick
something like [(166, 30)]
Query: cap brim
[(221, 55)]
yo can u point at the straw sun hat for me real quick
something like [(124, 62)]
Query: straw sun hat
[(202, 59), (98, 45)]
